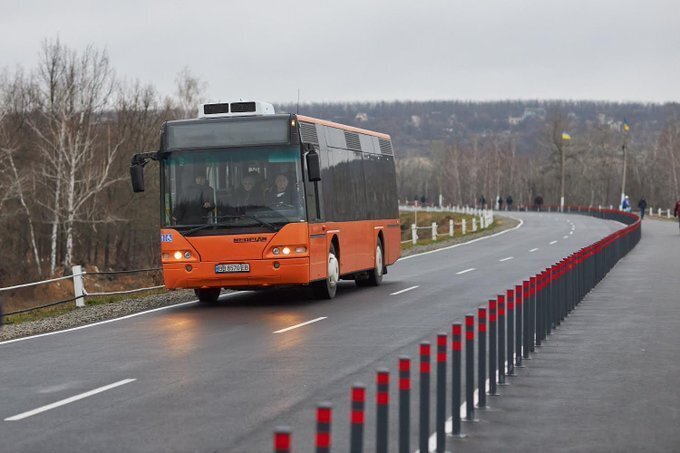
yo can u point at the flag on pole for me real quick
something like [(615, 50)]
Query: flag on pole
[(566, 136), (626, 127)]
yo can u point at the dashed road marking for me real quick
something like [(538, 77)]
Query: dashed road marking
[(405, 290), (72, 399), (465, 271), (553, 242), (301, 324), (505, 259), (533, 250)]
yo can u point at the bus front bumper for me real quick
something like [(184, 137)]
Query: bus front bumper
[(262, 273)]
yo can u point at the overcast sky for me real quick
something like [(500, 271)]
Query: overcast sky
[(370, 50)]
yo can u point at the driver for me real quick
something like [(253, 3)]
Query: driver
[(196, 202), (280, 194)]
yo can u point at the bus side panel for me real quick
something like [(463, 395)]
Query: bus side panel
[(392, 234), (318, 251), (357, 242)]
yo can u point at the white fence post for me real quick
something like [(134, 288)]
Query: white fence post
[(414, 233), (668, 213), (78, 287), (434, 231), (651, 211), (462, 227), (659, 212), (451, 227), (474, 224)]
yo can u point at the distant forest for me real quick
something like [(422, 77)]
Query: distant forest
[(69, 125)]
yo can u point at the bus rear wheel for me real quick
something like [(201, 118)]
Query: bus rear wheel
[(375, 275), (207, 295), (326, 289)]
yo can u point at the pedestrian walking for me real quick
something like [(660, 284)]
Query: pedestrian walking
[(482, 201), (508, 202), (642, 206), (538, 201), (500, 203), (625, 204)]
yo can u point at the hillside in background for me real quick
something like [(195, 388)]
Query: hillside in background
[(416, 126)]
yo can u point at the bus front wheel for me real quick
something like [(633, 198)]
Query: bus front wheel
[(207, 295), (326, 289)]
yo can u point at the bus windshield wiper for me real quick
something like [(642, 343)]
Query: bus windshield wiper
[(253, 218), (207, 225)]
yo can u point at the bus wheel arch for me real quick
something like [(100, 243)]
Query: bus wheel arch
[(326, 288)]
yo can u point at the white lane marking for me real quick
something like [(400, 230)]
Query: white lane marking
[(533, 250), (521, 222), (553, 242), (465, 271), (301, 324), (505, 259), (133, 315), (565, 237), (68, 400), (570, 233), (405, 290)]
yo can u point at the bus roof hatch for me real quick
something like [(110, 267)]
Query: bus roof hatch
[(236, 108)]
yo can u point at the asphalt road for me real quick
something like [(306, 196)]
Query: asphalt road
[(196, 378)]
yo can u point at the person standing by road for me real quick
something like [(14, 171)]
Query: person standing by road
[(508, 202), (642, 206), (500, 203), (676, 211)]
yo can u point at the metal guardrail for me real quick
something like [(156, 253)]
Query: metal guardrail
[(80, 293)]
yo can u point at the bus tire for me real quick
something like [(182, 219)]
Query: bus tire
[(375, 275), (326, 288), (207, 295)]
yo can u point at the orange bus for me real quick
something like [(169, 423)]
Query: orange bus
[(252, 199)]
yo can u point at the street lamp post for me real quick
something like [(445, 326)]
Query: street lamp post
[(625, 163)]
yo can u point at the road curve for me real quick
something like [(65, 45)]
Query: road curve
[(220, 378)]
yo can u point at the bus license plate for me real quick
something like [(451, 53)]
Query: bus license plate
[(228, 268)]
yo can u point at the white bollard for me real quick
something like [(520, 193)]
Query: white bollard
[(434, 231), (414, 233), (668, 213), (474, 224), (78, 287), (659, 212), (462, 227), (651, 211), (451, 227)]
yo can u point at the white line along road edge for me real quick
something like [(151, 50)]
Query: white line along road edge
[(68, 400), (301, 324), (506, 259), (405, 290)]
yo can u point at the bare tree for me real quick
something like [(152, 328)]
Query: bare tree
[(190, 93)]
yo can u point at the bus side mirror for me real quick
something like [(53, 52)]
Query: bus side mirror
[(137, 177), (313, 165)]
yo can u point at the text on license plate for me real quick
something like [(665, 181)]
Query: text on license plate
[(227, 268)]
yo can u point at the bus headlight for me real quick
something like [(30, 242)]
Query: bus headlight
[(187, 255), (275, 251), (178, 255), (286, 251)]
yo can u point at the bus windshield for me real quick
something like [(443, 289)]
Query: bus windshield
[(234, 190)]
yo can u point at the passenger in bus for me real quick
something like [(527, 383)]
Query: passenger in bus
[(281, 194), (196, 202), (250, 193)]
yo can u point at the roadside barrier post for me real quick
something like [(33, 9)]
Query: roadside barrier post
[(78, 286), (539, 309), (481, 357), (404, 404), (549, 299), (474, 224), (441, 392), (424, 433), (282, 440), (493, 360), (414, 233), (462, 227), (323, 427), (357, 418), (434, 231), (511, 331), (451, 227), (526, 295), (456, 363), (532, 314), (470, 367), (519, 302), (382, 399), (501, 339)]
